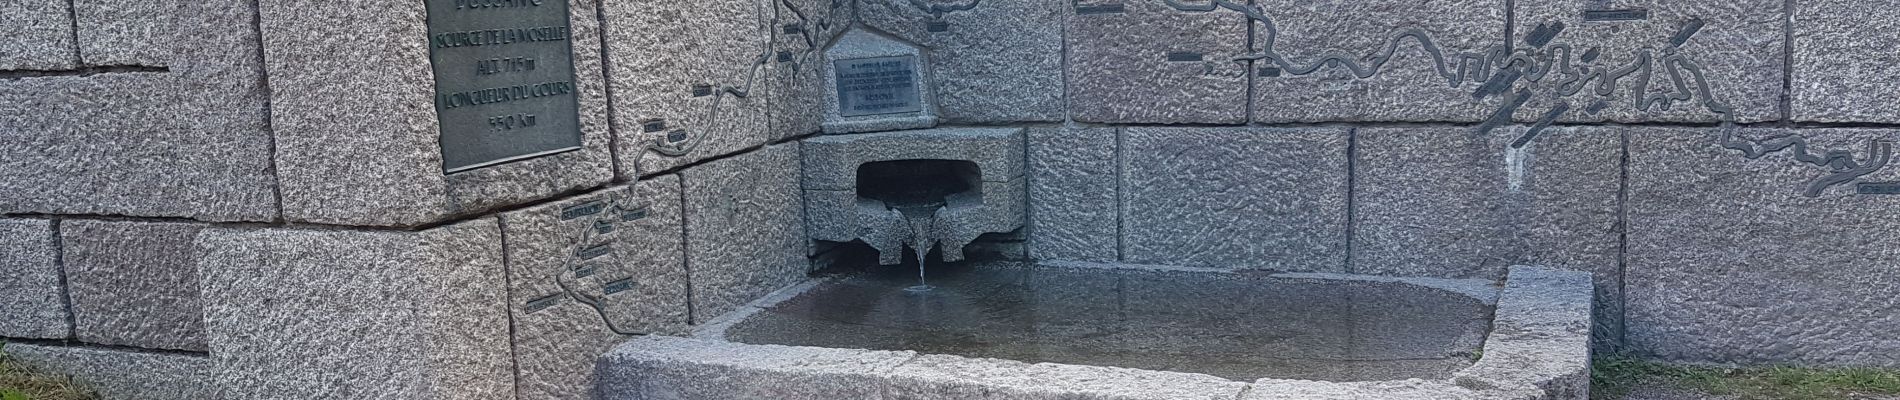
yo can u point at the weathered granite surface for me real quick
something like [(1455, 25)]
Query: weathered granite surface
[(357, 137), (690, 80), (803, 28), (122, 374), (570, 304), (32, 290), (1539, 346), (120, 32), (952, 377), (1734, 48), (134, 283), (40, 35), (1444, 202), (1838, 74), (1407, 84), (860, 44), (1262, 198), (303, 314), (189, 141), (669, 368), (1736, 260), (996, 62), (745, 229), (1122, 68), (832, 161), (1074, 196)]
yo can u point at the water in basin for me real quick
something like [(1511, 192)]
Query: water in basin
[(1241, 326)]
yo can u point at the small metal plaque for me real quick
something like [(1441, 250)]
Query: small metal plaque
[(1634, 14), (882, 85), (1878, 188), (596, 251), (504, 80), (617, 286)]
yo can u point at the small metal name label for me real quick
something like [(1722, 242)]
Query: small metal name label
[(544, 302), (618, 286), (1634, 14), (882, 85), (582, 210), (596, 251), (1877, 188), (504, 80)]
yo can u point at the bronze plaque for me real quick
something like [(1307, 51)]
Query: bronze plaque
[(882, 85), (504, 80)]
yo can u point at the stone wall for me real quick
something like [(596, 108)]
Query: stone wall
[(248, 199)]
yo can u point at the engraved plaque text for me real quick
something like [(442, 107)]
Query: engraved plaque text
[(882, 85), (504, 80)]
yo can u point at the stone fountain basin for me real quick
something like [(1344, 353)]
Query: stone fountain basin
[(1085, 331)]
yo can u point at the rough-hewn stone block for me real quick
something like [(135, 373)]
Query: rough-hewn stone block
[(1731, 49), (1303, 81), (123, 33), (304, 314), (32, 289), (1772, 259), (134, 283), (1235, 197), (745, 231), (1073, 193), (40, 35), (358, 140), (664, 368), (803, 28), (690, 80), (1443, 202), (189, 141), (1837, 74), (995, 62), (1147, 62), (120, 374), (587, 273)]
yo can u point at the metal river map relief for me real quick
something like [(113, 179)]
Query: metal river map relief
[(504, 80)]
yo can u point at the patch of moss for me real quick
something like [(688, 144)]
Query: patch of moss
[(1613, 378), (18, 382)]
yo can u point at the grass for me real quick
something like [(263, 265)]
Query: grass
[(1612, 378), (17, 382)]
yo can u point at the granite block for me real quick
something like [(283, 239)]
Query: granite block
[(134, 283), (40, 35), (1539, 346), (1692, 61), (1743, 250), (804, 28), (1149, 62), (832, 161), (745, 228), (929, 377), (666, 368), (1446, 202), (358, 139), (690, 80), (128, 33), (303, 314), (187, 141), (33, 289), (587, 273), (992, 63), (1838, 71), (120, 374), (1261, 198), (1379, 60), (1073, 193)]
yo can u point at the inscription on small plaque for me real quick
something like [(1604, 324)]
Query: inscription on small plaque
[(882, 85), (1878, 188), (504, 80)]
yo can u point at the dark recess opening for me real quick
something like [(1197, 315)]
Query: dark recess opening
[(901, 183)]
